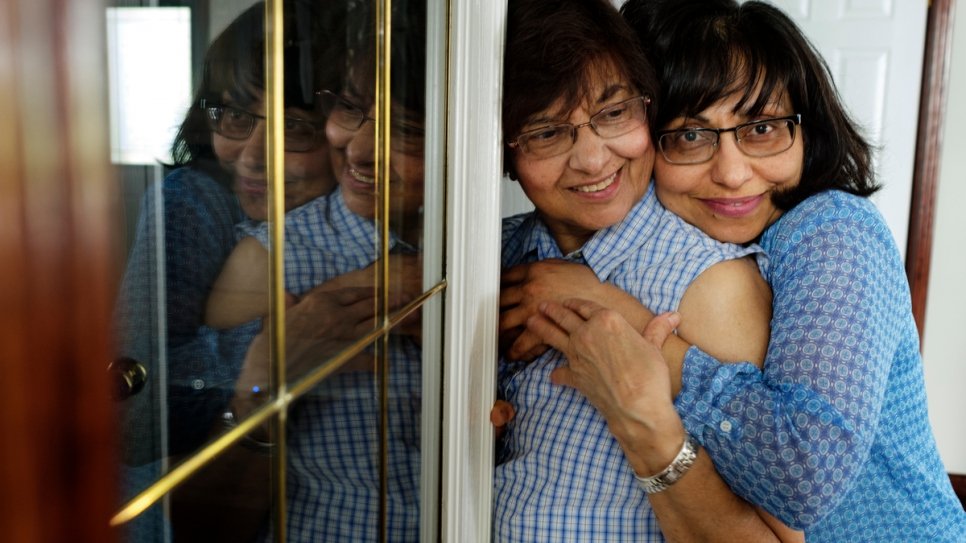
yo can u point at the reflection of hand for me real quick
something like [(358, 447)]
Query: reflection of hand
[(333, 315), (318, 325), (523, 288), (620, 371), (324, 322)]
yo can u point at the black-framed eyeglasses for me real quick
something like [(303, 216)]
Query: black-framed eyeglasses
[(234, 123), (758, 139), (406, 135), (611, 122)]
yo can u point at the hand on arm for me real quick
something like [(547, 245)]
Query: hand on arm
[(524, 287), (627, 380)]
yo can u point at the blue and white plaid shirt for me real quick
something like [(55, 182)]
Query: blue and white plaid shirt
[(561, 476), (333, 433)]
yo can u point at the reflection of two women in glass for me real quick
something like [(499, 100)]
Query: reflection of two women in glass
[(216, 261)]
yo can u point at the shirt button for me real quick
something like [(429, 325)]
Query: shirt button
[(198, 384), (725, 426)]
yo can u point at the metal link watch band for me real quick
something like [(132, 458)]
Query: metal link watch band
[(675, 470)]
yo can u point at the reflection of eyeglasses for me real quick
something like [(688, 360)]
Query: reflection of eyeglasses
[(756, 139), (405, 135), (237, 124), (610, 122)]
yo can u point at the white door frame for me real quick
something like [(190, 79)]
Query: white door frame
[(476, 37)]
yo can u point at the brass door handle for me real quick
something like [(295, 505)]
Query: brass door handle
[(127, 377)]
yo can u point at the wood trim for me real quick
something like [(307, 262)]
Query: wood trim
[(932, 109), (57, 463), (959, 487)]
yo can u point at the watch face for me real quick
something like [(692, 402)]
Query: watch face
[(675, 470)]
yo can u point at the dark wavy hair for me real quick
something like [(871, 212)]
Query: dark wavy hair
[(235, 65), (707, 50), (553, 50)]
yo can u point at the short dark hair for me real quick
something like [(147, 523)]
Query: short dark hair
[(235, 64), (551, 47), (707, 50)]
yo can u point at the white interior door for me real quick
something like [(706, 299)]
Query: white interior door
[(875, 48)]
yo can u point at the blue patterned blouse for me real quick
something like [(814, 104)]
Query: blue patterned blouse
[(833, 437)]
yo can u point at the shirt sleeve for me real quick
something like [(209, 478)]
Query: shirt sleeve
[(792, 437), (188, 245)]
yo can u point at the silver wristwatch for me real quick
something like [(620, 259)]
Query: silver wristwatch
[(675, 470)]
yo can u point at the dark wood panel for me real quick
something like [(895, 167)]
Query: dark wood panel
[(932, 111), (959, 486), (57, 479)]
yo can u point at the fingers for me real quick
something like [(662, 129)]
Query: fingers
[(515, 274), (569, 316), (526, 346), (660, 327), (548, 331), (584, 308), (502, 413)]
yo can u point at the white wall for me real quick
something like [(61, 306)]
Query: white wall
[(944, 344)]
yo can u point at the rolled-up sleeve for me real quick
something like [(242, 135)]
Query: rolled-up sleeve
[(793, 436)]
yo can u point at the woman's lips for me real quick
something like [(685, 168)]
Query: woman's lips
[(601, 190), (251, 186), (597, 187), (361, 177), (733, 207)]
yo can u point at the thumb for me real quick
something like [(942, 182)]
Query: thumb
[(502, 413), (660, 327)]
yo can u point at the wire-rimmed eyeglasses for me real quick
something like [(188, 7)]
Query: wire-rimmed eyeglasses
[(758, 139), (406, 134), (234, 123), (611, 122)]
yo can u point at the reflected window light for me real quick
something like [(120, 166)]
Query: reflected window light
[(149, 59)]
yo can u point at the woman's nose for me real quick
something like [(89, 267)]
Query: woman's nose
[(590, 152), (361, 150), (253, 149), (731, 167)]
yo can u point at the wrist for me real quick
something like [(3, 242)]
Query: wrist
[(674, 471), (651, 444)]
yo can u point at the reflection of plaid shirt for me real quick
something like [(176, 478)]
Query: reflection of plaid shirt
[(324, 239), (333, 432), (561, 476)]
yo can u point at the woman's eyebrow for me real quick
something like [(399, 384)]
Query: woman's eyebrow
[(610, 91)]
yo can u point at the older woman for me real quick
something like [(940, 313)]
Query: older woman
[(577, 92)]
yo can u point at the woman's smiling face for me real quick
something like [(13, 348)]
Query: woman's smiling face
[(308, 174), (353, 157), (596, 183), (729, 197)]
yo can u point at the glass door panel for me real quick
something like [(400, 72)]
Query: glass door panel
[(272, 328)]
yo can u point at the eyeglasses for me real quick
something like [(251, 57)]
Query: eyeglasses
[(237, 124), (405, 135), (610, 122), (757, 139)]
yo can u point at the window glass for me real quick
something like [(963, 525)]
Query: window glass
[(270, 324)]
